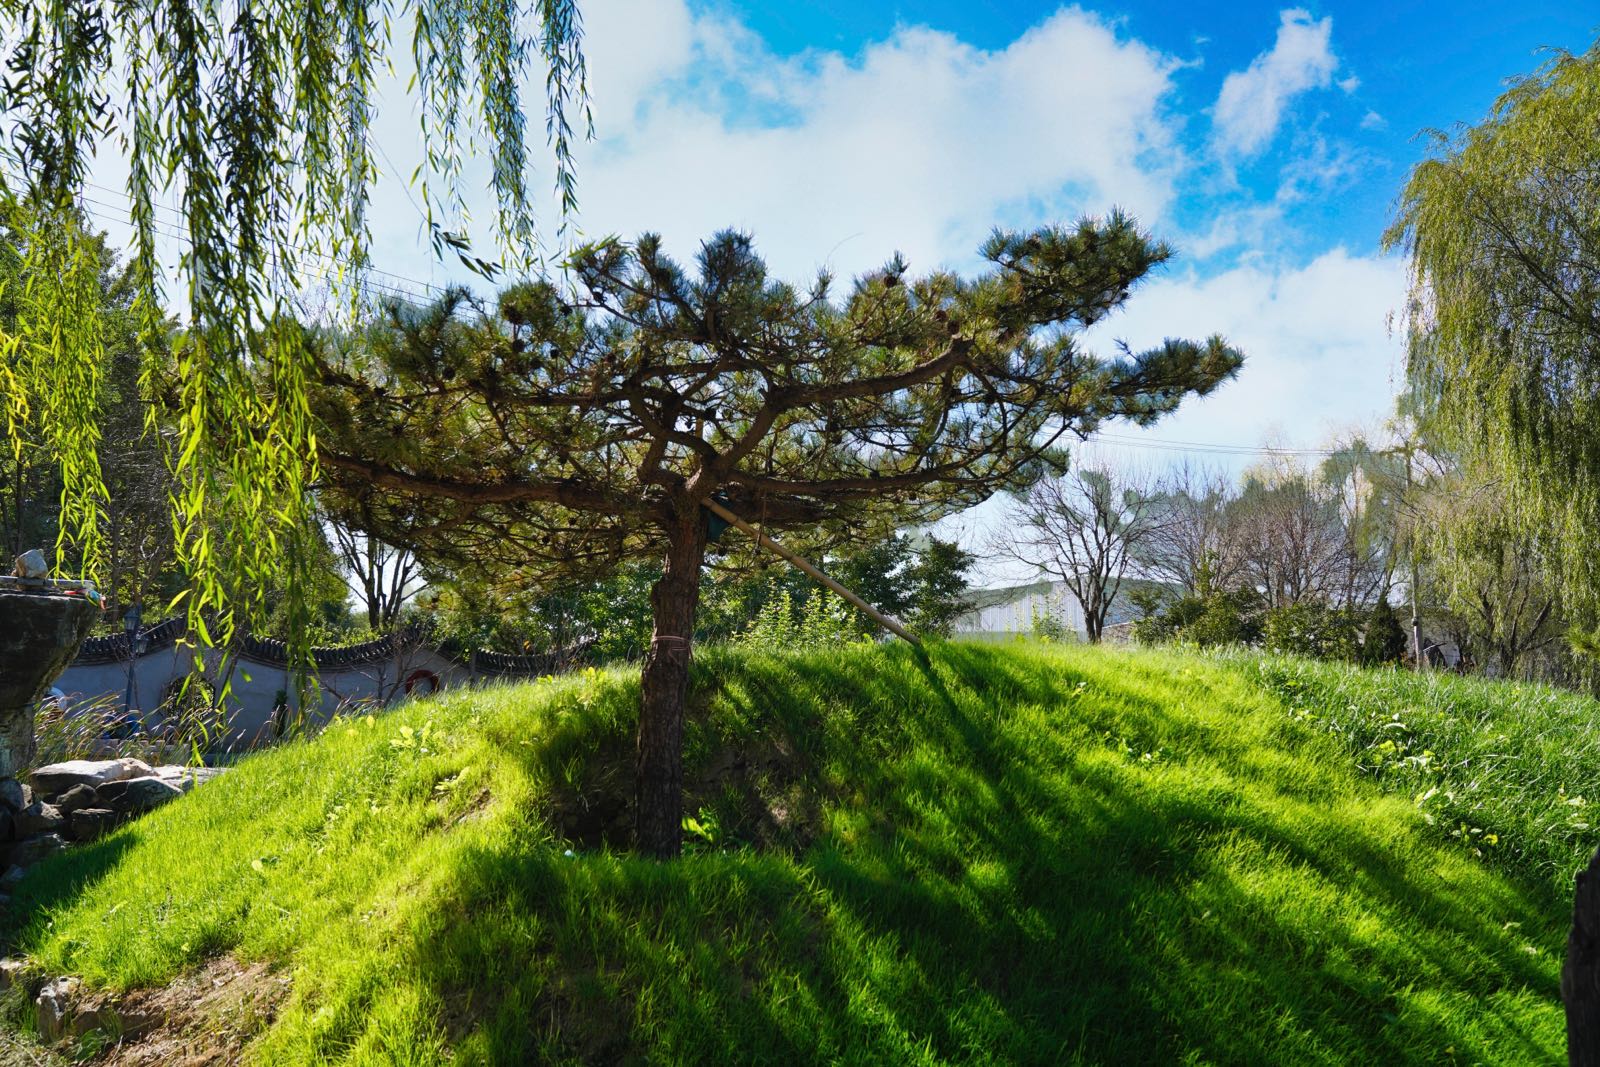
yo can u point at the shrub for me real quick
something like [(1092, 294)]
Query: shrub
[(1320, 631), (1214, 619), (1385, 641)]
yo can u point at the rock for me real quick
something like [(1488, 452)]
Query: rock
[(27, 852), (136, 796), (8, 827), (40, 633), (94, 1013), (91, 824), (14, 796), (186, 778), (13, 973), (79, 796), (31, 564), (53, 1008), (12, 878), (39, 818), (57, 778)]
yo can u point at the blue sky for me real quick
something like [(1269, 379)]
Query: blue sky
[(1267, 141), (1419, 65)]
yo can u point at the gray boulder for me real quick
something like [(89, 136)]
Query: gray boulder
[(30, 851), (53, 1008), (91, 824), (40, 633), (39, 818), (135, 796), (79, 796), (14, 796), (57, 778)]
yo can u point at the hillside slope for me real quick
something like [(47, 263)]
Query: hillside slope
[(1013, 853)]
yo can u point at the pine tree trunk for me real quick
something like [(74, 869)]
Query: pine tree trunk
[(658, 769), (1580, 975)]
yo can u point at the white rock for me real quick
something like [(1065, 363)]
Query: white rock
[(57, 778), (32, 564), (186, 778)]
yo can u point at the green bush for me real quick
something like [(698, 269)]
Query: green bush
[(1385, 641), (1208, 621), (1320, 631)]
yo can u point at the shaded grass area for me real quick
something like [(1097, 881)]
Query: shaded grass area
[(1013, 853), (1507, 771)]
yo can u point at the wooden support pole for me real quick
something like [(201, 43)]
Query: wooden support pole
[(805, 565)]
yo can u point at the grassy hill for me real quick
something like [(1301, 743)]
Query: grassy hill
[(1016, 853)]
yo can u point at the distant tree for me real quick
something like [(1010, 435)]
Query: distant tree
[(938, 584), (1193, 542), (1294, 544), (1495, 581), (1384, 641), (922, 582), (574, 429), (1504, 318), (1084, 529), (382, 577)]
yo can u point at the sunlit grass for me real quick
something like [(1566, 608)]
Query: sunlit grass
[(1509, 772), (1015, 853)]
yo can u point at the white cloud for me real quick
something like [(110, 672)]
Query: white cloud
[(1373, 121), (1319, 362), (919, 143), (1319, 355), (1252, 101)]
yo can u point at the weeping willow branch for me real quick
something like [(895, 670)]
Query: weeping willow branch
[(255, 115)]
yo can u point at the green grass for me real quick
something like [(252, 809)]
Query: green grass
[(1014, 853), (1511, 772)]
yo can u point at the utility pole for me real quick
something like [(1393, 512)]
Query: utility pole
[(1411, 551)]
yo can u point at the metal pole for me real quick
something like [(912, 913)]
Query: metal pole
[(127, 698), (1420, 662), (805, 565)]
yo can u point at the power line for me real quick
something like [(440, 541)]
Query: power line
[(367, 285), (1215, 449), (125, 215)]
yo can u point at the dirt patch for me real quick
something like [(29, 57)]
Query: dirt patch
[(205, 1017)]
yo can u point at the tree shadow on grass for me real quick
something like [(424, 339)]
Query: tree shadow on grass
[(993, 881)]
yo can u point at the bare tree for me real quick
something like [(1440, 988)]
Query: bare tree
[(1295, 542), (1084, 528), (383, 578), (1193, 540)]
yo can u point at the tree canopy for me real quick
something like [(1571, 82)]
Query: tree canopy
[(1504, 319), (578, 428)]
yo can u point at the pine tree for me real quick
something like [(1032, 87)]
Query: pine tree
[(569, 431)]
